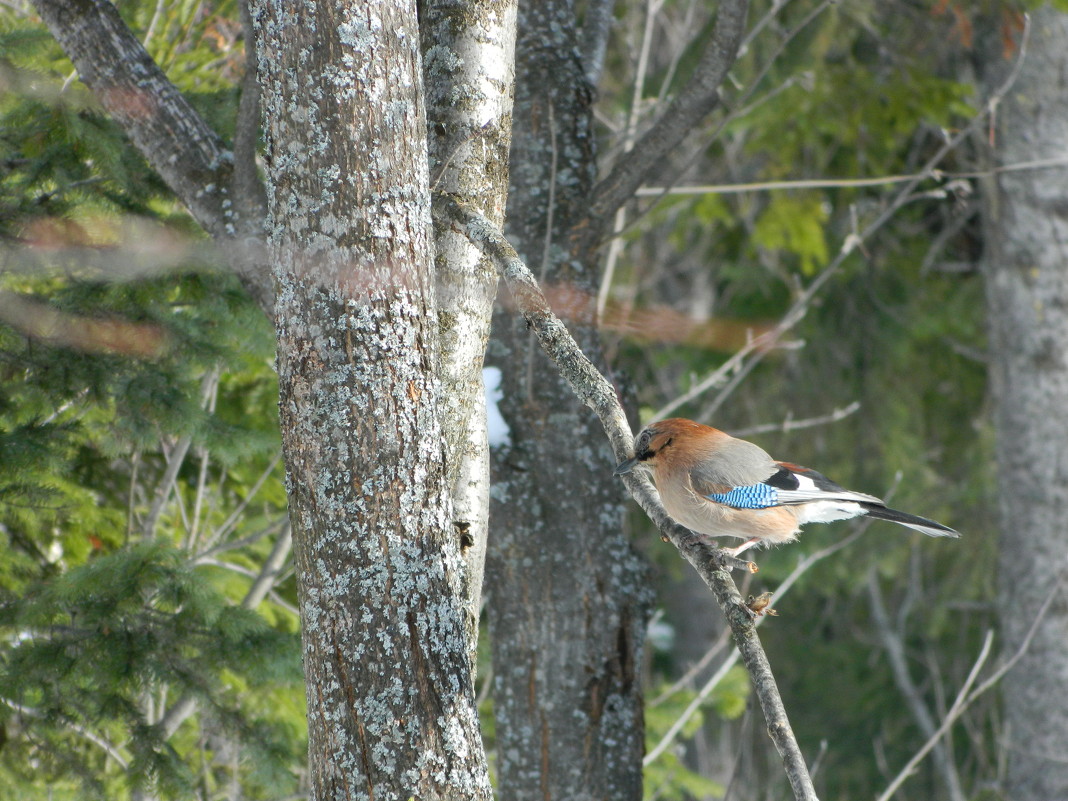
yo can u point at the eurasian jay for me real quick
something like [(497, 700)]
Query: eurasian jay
[(718, 485)]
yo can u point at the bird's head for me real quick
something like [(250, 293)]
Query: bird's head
[(657, 441)]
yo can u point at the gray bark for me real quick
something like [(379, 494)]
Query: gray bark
[(469, 64), (391, 710), (567, 598), (1027, 293)]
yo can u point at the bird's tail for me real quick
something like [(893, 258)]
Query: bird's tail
[(928, 527)]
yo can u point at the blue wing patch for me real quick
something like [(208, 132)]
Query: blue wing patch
[(756, 496)]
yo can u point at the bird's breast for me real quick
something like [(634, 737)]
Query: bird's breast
[(777, 523)]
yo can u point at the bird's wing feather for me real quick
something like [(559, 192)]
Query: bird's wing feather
[(796, 484), (787, 485), (734, 463)]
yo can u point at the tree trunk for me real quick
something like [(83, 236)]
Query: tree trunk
[(469, 55), (568, 605), (1027, 292), (391, 710)]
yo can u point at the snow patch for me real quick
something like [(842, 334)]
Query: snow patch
[(499, 433)]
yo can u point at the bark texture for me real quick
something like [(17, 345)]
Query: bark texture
[(1027, 292), (390, 704), (568, 603), (469, 64)]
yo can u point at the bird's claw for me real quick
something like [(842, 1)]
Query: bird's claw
[(761, 605)]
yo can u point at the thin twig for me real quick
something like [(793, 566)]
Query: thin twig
[(790, 424), (741, 109), (270, 570), (766, 342), (697, 98), (965, 698), (849, 183), (256, 536), (166, 484), (231, 522), (683, 682), (595, 391), (615, 246)]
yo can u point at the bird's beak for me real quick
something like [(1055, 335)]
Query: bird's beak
[(625, 467)]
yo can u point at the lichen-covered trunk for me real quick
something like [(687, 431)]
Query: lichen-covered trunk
[(390, 703), (566, 604), (1027, 291)]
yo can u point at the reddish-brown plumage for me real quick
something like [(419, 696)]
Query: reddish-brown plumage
[(689, 461)]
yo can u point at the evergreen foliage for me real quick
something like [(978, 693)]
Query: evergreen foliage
[(140, 485)]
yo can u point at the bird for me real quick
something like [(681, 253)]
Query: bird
[(718, 485)]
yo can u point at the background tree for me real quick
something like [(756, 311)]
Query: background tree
[(1026, 287)]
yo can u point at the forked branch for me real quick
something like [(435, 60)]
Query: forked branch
[(696, 99)]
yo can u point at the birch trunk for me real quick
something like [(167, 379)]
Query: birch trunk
[(390, 704), (469, 64)]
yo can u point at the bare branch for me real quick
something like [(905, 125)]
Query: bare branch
[(789, 424), (169, 133), (966, 697), (270, 570), (698, 98), (766, 342), (175, 139), (596, 28), (166, 484), (596, 392), (895, 652)]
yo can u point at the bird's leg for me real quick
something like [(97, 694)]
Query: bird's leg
[(745, 546), (730, 555)]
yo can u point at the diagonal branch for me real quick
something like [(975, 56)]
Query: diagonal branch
[(697, 98), (595, 391), (250, 195), (175, 140)]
